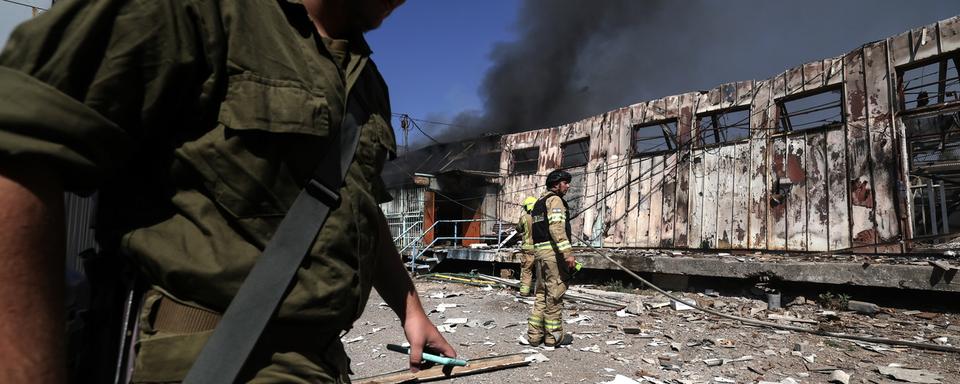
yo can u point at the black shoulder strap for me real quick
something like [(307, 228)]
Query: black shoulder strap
[(260, 294)]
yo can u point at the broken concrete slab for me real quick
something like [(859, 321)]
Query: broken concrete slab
[(839, 376), (911, 375)]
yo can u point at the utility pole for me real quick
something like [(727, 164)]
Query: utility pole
[(405, 126)]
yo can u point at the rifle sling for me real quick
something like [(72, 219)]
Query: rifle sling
[(262, 291)]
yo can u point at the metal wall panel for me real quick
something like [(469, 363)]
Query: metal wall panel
[(824, 189)]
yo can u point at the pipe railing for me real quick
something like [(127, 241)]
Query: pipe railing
[(456, 238)]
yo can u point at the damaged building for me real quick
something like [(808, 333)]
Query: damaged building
[(850, 155)]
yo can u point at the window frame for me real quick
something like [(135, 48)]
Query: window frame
[(535, 160), (715, 117), (669, 138), (785, 126), (585, 152)]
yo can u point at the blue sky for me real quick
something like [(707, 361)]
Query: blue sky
[(433, 54)]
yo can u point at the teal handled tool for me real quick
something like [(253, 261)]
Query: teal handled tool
[(429, 357)]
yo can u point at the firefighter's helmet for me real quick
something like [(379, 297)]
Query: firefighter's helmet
[(529, 202)]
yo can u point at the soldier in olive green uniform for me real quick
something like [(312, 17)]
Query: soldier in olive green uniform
[(524, 226), (554, 254), (199, 121)]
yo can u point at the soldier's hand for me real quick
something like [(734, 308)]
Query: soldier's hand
[(571, 262), (422, 334)]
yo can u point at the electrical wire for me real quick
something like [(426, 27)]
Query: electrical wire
[(25, 5)]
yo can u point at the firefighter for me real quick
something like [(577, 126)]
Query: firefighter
[(526, 247), (554, 259)]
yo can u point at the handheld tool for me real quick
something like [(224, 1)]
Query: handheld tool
[(429, 357)]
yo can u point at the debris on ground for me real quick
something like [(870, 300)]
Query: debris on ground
[(658, 344)]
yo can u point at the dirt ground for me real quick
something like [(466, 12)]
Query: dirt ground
[(672, 346)]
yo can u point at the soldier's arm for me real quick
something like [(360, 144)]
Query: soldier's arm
[(557, 218), (31, 276), (396, 288)]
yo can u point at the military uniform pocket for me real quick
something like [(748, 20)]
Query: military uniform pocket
[(270, 136)]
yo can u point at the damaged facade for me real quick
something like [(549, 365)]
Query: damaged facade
[(855, 153)]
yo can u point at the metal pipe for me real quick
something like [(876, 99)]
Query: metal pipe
[(933, 210), (944, 215)]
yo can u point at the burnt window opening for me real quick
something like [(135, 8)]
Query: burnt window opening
[(575, 153), (525, 160), (818, 110), (724, 126), (933, 145), (930, 84), (655, 137)]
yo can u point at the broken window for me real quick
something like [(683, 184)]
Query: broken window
[(655, 137), (819, 110), (930, 84), (933, 143), (575, 153), (525, 160), (724, 126)]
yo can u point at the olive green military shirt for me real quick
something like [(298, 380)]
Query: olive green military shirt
[(199, 121)]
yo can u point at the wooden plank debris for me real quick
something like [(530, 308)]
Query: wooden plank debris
[(486, 364)]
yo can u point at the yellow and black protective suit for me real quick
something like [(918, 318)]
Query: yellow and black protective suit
[(551, 237)]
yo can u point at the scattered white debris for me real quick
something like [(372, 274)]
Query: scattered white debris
[(720, 379), (447, 328), (487, 288), (621, 379), (522, 340), (376, 329), (941, 340), (614, 342), (810, 358), (536, 358), (443, 307), (353, 340), (739, 359), (609, 369), (713, 362), (839, 376), (595, 349), (657, 305), (624, 313), (653, 380), (656, 343), (456, 320), (529, 351), (578, 319), (682, 306)]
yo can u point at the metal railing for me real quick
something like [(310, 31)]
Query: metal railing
[(402, 239), (456, 239)]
